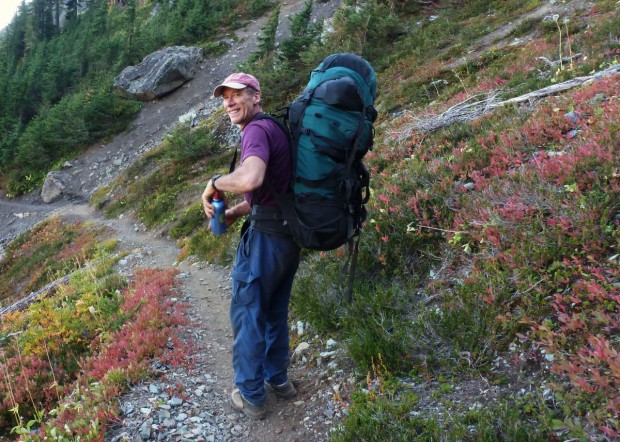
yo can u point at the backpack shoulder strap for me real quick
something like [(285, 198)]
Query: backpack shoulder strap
[(282, 122), (278, 120)]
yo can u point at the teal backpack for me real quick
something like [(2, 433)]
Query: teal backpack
[(331, 129)]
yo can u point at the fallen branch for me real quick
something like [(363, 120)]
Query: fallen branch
[(564, 60), (23, 303), (469, 109), (32, 297), (465, 111), (561, 87)]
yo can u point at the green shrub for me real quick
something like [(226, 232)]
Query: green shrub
[(213, 248), (192, 218), (317, 294), (158, 209), (377, 324), (186, 144), (381, 418)]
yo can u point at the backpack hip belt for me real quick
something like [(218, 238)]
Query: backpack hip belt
[(268, 219)]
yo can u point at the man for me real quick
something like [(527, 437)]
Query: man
[(267, 256)]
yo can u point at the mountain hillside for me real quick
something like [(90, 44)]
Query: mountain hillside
[(486, 301)]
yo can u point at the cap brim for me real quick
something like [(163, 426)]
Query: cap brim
[(233, 85)]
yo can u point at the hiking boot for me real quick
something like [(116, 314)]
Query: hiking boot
[(240, 403), (283, 391)]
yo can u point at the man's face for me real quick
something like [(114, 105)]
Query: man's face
[(239, 104)]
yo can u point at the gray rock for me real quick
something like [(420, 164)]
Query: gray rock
[(175, 401), (53, 186), (572, 116), (181, 417), (162, 415), (159, 73), (145, 429)]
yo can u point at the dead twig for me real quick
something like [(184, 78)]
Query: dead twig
[(564, 60)]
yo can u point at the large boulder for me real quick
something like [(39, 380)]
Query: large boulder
[(159, 73), (53, 186)]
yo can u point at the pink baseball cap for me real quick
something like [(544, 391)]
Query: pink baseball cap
[(238, 80)]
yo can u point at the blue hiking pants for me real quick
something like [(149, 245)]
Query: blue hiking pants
[(263, 273)]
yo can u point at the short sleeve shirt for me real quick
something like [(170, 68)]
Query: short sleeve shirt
[(265, 140)]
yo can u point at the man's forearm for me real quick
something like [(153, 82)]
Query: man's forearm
[(247, 177), (238, 210)]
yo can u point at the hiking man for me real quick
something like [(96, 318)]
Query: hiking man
[(267, 256)]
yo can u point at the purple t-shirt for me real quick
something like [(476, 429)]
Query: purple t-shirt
[(265, 140)]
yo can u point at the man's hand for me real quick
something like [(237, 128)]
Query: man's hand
[(247, 177), (207, 197)]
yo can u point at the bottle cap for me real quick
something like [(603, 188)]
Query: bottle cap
[(216, 195)]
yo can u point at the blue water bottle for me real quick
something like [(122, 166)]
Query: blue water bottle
[(218, 222)]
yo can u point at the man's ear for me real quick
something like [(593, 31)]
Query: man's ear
[(256, 99)]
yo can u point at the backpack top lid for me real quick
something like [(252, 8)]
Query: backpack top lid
[(356, 64)]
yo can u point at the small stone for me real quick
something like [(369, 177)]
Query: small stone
[(145, 429), (127, 408), (236, 430), (181, 417), (176, 401), (300, 328), (302, 347)]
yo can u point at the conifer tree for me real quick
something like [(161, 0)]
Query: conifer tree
[(267, 39), (71, 9), (42, 19), (303, 35)]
